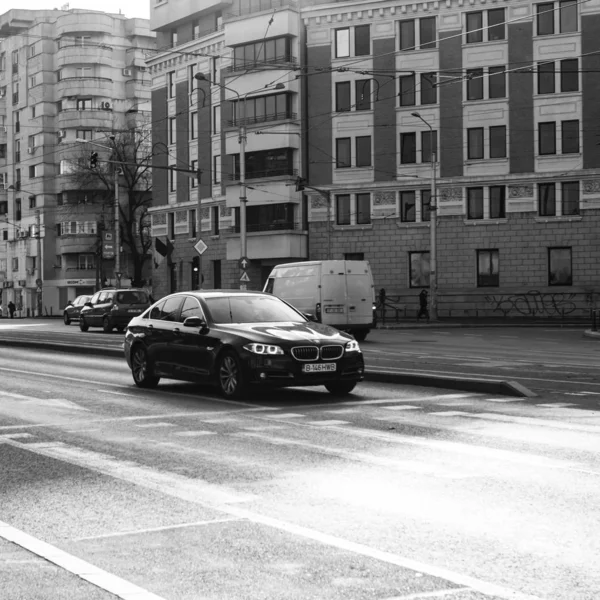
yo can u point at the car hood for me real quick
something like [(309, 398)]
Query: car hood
[(309, 332)]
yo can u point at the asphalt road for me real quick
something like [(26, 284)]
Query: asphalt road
[(397, 493)]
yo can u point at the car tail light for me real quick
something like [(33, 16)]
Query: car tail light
[(318, 312)]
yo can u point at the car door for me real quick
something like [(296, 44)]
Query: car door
[(89, 310), (159, 341), (192, 348), (99, 308)]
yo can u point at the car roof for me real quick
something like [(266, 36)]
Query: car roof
[(219, 293)]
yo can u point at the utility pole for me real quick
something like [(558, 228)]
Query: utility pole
[(117, 232), (301, 185), (39, 264)]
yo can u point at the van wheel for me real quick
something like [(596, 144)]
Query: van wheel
[(66, 319), (106, 326), (360, 335), (83, 325), (340, 388)]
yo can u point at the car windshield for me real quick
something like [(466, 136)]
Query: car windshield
[(251, 309), (132, 297)]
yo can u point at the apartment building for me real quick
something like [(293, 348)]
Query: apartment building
[(65, 75), (221, 70)]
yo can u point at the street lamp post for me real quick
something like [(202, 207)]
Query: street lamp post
[(242, 140), (432, 228)]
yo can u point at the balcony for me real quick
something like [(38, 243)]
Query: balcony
[(85, 86), (253, 65), (76, 243), (89, 118), (283, 171), (95, 22), (290, 244), (280, 116), (77, 55), (258, 227), (247, 8)]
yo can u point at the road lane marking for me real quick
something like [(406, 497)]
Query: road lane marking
[(155, 529), (84, 570), (437, 594), (149, 425), (286, 416), (327, 423), (13, 436), (194, 433), (403, 407), (516, 419), (166, 487), (503, 400), (556, 404)]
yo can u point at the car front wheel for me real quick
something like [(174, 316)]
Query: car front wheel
[(230, 377), (340, 388), (141, 370), (66, 319), (106, 325), (82, 324)]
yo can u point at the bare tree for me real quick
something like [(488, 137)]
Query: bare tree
[(129, 152)]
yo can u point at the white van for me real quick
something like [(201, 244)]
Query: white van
[(339, 293)]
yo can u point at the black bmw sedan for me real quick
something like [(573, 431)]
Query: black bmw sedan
[(235, 339)]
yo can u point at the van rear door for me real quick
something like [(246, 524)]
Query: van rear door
[(360, 299), (334, 309)]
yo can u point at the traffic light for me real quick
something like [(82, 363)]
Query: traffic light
[(300, 183), (93, 160), (195, 272)]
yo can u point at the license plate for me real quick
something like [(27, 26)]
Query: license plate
[(318, 367), (334, 309), (134, 310)]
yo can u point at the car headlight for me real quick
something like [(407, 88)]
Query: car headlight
[(352, 346), (264, 349)]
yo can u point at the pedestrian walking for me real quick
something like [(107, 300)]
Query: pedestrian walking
[(423, 310), (11, 309)]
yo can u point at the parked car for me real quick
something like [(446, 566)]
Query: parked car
[(73, 308), (234, 339), (110, 308)]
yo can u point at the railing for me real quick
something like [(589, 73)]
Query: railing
[(257, 64), (208, 31), (275, 172), (277, 226), (251, 7), (280, 116)]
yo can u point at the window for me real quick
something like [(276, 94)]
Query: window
[(354, 256), (266, 163), (86, 262), (194, 179), (408, 148), (545, 18), (419, 269), (569, 76), (488, 268), (83, 72), (570, 198), (192, 70), (426, 145), (474, 27), (342, 96), (214, 220), (274, 50), (32, 81), (18, 209), (475, 203), (84, 134), (474, 84), (342, 42), (497, 202), (570, 137), (567, 16), (425, 205), (496, 24), (172, 180), (363, 94), (407, 35), (216, 119), (546, 199), (498, 141), (497, 82), (193, 223), (427, 33), (173, 36), (363, 151), (546, 83), (342, 209), (560, 268), (193, 126), (15, 264), (217, 169), (547, 138), (475, 143), (342, 153), (407, 90), (84, 103), (263, 108), (428, 89), (171, 84), (362, 40), (363, 209), (408, 207), (172, 130)]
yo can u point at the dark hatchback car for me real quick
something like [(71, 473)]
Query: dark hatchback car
[(234, 339), (72, 309), (110, 308)]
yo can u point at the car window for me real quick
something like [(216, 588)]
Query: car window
[(95, 298), (167, 310), (132, 297), (156, 311), (252, 309), (270, 285), (191, 308)]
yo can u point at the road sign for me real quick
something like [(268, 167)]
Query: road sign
[(243, 263), (118, 275), (200, 247), (39, 289), (38, 282), (245, 277), (108, 249)]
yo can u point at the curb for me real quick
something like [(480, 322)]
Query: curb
[(590, 333), (481, 386)]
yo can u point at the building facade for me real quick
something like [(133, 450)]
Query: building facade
[(65, 75), (498, 100)]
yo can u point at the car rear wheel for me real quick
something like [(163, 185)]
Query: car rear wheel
[(66, 319), (141, 370), (106, 326), (120, 328), (230, 377), (340, 388), (82, 324)]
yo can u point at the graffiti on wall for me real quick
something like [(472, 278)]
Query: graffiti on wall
[(534, 303)]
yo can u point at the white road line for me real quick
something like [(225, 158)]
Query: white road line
[(15, 436), (437, 594), (326, 423), (534, 421), (167, 488), (119, 393), (194, 433), (149, 425), (403, 407), (556, 404), (503, 400), (155, 529), (286, 416), (84, 570)]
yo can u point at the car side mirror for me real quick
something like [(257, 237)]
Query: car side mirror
[(88, 304), (198, 322), (310, 317)]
